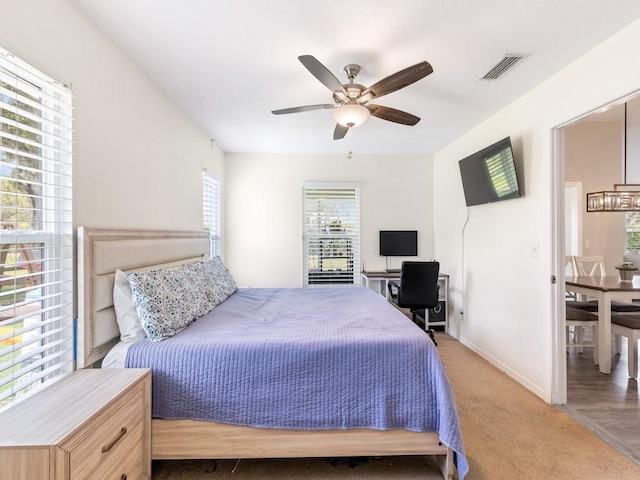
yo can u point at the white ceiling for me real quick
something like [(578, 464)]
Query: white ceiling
[(228, 63)]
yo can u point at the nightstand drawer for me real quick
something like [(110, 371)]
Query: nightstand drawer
[(105, 448), (126, 462)]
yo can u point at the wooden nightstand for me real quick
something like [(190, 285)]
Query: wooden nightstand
[(92, 424)]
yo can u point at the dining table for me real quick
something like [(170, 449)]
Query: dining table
[(604, 289)]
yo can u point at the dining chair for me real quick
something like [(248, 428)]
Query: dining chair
[(589, 265), (578, 319), (572, 270), (593, 266), (578, 315)]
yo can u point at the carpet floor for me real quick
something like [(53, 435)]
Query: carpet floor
[(509, 433)]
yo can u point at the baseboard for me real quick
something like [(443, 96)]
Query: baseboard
[(535, 389)]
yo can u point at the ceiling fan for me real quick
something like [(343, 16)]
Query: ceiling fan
[(351, 107)]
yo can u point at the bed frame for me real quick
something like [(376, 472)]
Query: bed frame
[(100, 253)]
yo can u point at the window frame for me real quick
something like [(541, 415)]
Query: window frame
[(211, 211), (37, 334), (338, 232), (632, 231)]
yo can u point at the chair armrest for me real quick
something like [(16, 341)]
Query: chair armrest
[(391, 285)]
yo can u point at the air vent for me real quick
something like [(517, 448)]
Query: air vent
[(503, 66)]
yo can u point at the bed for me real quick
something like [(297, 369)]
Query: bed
[(182, 434)]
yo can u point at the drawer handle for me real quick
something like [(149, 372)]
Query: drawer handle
[(109, 446)]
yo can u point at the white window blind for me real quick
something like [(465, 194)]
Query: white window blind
[(36, 232), (331, 229), (211, 211)]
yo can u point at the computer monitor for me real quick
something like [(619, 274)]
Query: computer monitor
[(398, 243)]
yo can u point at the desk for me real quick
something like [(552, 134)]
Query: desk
[(604, 289), (378, 281)]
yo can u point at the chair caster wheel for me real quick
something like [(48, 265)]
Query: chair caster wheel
[(432, 337)]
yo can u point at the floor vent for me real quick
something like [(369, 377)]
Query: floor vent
[(502, 67)]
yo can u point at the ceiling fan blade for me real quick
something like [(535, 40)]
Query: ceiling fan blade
[(397, 81), (340, 131), (322, 73), (393, 115), (306, 108)]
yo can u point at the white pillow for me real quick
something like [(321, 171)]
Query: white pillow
[(126, 314)]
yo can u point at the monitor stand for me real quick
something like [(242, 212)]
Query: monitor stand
[(390, 270)]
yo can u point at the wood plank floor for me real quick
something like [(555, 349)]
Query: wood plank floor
[(608, 405)]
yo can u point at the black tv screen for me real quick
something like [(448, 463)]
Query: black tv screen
[(398, 243), (490, 174)]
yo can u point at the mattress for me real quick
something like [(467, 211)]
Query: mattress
[(303, 358)]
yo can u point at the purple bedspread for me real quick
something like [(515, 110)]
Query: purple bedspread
[(304, 358)]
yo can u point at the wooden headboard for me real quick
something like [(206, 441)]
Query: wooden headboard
[(100, 253)]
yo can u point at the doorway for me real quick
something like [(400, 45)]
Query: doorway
[(605, 404)]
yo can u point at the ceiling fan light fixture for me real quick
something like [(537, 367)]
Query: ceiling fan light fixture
[(349, 108), (351, 115)]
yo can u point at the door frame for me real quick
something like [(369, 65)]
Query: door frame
[(558, 323)]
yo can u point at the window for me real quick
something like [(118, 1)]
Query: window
[(331, 232), (36, 232), (633, 231), (211, 211)]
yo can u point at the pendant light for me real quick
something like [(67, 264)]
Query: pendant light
[(624, 197)]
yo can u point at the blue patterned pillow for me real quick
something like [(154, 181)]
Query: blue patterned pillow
[(166, 300), (216, 282)]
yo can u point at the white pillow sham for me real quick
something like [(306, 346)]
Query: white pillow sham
[(126, 315)]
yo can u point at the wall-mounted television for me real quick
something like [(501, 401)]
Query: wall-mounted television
[(490, 174), (398, 243)]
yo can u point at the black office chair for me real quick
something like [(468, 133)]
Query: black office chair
[(417, 289)]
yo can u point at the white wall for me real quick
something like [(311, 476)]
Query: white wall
[(507, 294), (264, 209), (593, 157), (137, 159)]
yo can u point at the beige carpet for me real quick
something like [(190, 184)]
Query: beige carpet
[(509, 433)]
